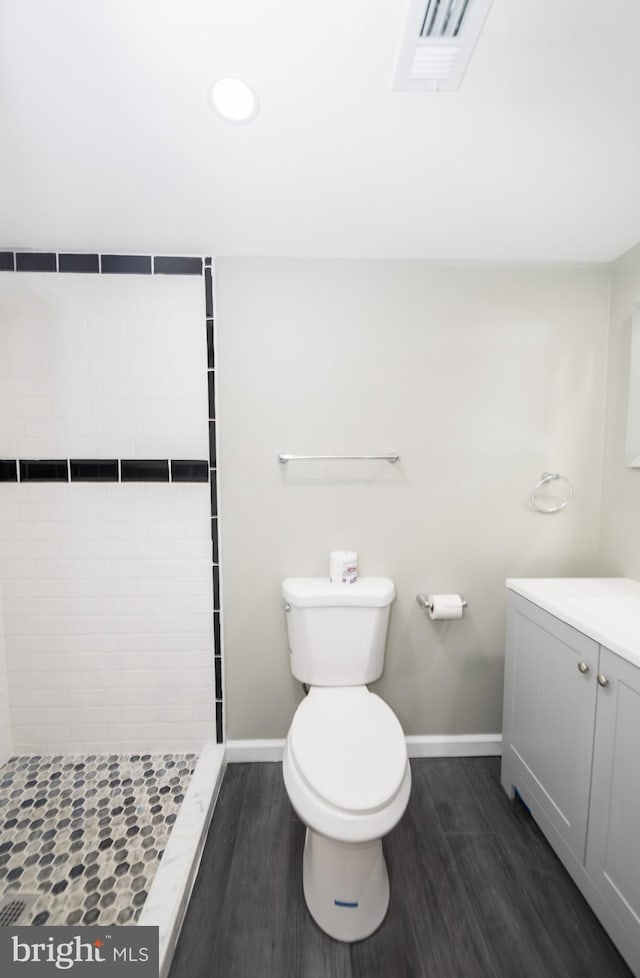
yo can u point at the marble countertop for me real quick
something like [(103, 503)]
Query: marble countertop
[(607, 609)]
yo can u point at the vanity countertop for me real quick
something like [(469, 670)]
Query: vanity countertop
[(607, 609)]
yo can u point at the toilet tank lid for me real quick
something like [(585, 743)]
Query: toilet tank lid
[(319, 592)]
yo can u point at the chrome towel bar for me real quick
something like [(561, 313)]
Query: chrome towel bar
[(389, 457)]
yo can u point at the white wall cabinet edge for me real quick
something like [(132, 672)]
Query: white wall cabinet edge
[(570, 749)]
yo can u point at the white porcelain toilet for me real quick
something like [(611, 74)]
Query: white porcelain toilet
[(345, 764)]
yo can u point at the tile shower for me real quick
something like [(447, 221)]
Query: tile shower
[(110, 656), (82, 836)]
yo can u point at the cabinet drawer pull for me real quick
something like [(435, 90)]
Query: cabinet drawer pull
[(603, 681), (584, 668)]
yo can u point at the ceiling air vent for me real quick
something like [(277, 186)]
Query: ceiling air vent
[(438, 42)]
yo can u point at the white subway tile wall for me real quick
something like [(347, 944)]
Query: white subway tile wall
[(107, 600), (107, 604), (96, 366)]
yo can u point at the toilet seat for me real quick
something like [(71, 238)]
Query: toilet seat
[(345, 764), (349, 748)]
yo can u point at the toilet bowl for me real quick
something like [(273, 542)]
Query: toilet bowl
[(348, 778), (345, 764)]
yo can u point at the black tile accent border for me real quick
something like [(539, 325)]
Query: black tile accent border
[(213, 483), (134, 470), (36, 261), (144, 470), (214, 495), (212, 444), (208, 292), (78, 263), (44, 470), (166, 265), (216, 588), (212, 394), (192, 470), (214, 539), (210, 349), (125, 264), (105, 470), (95, 263), (94, 470)]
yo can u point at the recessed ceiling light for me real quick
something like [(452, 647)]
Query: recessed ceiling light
[(234, 100)]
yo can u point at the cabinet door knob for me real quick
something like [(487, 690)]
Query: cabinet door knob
[(583, 667), (603, 681)]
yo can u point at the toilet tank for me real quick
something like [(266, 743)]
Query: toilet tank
[(337, 632)]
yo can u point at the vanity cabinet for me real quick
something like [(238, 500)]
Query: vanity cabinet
[(571, 749), (613, 848)]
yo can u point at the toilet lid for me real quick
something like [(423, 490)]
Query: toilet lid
[(349, 747)]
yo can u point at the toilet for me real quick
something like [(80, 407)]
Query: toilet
[(345, 763)]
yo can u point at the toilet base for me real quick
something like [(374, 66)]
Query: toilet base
[(346, 886)]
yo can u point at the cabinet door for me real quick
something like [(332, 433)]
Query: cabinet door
[(550, 692), (613, 850)]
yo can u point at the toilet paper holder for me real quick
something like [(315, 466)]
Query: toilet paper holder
[(424, 600)]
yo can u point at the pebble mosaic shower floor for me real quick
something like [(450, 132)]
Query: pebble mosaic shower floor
[(84, 835)]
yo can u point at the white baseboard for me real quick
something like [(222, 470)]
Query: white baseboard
[(467, 745), (254, 750)]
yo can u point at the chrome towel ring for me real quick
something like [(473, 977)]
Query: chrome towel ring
[(544, 479)]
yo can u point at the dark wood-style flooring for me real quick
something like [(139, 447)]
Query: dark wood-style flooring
[(476, 891)]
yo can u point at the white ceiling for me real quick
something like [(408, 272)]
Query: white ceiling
[(108, 142)]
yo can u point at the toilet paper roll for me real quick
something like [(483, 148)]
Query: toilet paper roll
[(445, 606), (343, 566)]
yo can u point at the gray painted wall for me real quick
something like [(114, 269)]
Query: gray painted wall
[(481, 378), (620, 525)]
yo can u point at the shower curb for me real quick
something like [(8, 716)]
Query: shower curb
[(170, 891)]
